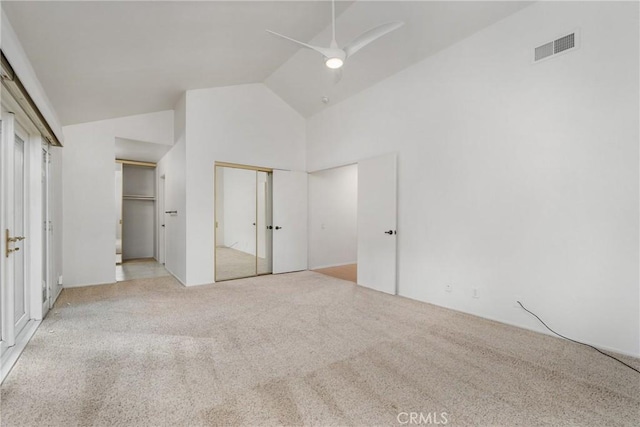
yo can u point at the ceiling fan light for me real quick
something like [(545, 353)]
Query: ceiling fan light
[(334, 63)]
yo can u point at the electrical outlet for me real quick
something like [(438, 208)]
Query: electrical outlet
[(448, 287), (475, 293)]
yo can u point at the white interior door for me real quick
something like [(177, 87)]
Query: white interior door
[(15, 295), (290, 240), (3, 264), (377, 216)]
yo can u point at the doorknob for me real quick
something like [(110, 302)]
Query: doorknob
[(269, 227), (278, 227), (390, 232)]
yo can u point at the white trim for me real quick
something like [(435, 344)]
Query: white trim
[(539, 331), (55, 298), (176, 277), (82, 285), (333, 265)]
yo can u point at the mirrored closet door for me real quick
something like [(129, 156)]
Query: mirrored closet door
[(243, 229)]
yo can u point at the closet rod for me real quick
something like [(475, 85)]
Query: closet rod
[(136, 163), (239, 166)]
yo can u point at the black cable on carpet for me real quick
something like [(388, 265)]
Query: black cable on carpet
[(577, 342)]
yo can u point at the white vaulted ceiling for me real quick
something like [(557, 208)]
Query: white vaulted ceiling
[(102, 59)]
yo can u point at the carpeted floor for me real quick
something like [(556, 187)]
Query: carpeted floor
[(299, 349)]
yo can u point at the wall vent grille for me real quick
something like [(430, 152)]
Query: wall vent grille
[(564, 43), (555, 47), (544, 51)]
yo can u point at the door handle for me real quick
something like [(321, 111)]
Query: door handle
[(9, 240), (269, 227), (278, 228), (390, 232)]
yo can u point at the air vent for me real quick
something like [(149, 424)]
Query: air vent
[(544, 51), (555, 47), (564, 43)]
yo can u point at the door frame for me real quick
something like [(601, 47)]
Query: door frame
[(397, 171), (309, 216), (46, 224), (162, 222)]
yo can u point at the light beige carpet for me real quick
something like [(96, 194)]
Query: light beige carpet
[(299, 349)]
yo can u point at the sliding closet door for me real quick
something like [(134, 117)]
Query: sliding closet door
[(289, 221), (236, 223), (377, 223)]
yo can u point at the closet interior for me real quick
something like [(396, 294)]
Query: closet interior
[(136, 210)]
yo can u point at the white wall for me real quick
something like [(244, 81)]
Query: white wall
[(173, 167), (89, 188), (88, 206), (518, 179), (333, 217), (246, 124)]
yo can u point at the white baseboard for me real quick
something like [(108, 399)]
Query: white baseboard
[(83, 285), (515, 325), (332, 265), (175, 277)]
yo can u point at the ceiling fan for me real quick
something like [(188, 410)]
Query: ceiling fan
[(334, 57)]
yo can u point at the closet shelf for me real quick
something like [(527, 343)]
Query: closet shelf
[(134, 197)]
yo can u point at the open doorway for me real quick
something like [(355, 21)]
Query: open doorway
[(136, 214), (333, 222)]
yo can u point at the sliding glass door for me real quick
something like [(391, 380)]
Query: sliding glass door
[(243, 229)]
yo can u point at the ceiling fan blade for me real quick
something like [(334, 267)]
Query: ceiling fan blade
[(337, 75), (367, 37), (324, 51)]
